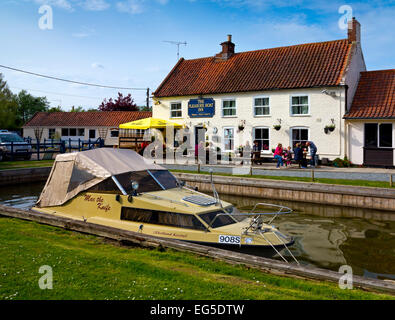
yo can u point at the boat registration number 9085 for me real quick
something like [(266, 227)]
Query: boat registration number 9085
[(229, 239)]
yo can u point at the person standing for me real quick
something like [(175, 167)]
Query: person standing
[(298, 155), (313, 152), (278, 155)]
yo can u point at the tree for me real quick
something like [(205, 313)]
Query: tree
[(77, 109), (119, 104), (8, 106), (55, 109), (28, 105)]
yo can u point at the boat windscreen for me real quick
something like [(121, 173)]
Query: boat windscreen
[(154, 180), (218, 221)]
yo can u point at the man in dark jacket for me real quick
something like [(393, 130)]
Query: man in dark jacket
[(313, 151)]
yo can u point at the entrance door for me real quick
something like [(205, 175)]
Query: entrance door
[(200, 134), (378, 147)]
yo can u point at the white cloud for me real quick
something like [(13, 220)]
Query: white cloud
[(95, 5), (131, 6), (96, 65), (63, 4)]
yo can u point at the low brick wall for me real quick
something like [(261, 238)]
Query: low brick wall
[(28, 175), (348, 196)]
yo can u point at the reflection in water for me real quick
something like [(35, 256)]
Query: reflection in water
[(325, 236), (329, 236)]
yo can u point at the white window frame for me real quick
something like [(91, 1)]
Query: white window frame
[(296, 128), (253, 137), (308, 114), (171, 104), (222, 108), (223, 132), (49, 133), (253, 107)]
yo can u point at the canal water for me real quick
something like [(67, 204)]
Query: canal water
[(325, 236)]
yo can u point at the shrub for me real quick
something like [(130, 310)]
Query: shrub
[(341, 163)]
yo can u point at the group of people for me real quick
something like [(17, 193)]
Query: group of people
[(284, 156)]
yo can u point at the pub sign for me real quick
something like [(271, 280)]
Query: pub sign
[(201, 108)]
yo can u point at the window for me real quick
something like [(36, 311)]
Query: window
[(156, 181), (300, 105), (261, 107), (229, 139), (220, 221), (114, 133), (73, 132), (51, 133), (262, 136), (92, 134), (385, 135), (229, 108), (378, 135), (173, 219), (175, 110), (299, 135)]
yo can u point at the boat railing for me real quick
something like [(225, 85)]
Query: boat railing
[(256, 216), (256, 224)]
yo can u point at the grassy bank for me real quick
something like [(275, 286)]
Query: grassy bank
[(347, 182), (87, 267), (7, 165)]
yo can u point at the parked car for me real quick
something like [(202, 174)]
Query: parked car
[(12, 142)]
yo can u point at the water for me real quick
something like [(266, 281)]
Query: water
[(325, 236)]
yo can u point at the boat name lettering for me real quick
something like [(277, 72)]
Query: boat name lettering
[(100, 206), (99, 200), (89, 198)]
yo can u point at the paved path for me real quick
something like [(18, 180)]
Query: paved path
[(269, 169)]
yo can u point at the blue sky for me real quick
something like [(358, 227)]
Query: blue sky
[(120, 43)]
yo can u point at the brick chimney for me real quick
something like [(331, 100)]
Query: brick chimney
[(228, 49), (354, 31)]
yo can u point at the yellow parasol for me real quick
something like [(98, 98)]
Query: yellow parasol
[(147, 123)]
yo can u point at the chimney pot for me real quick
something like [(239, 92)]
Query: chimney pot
[(354, 31), (228, 49)]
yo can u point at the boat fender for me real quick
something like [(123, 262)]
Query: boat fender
[(130, 198)]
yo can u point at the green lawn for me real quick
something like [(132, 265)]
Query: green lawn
[(361, 183), (4, 165), (87, 267)]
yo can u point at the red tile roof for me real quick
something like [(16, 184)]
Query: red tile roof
[(375, 96), (85, 119), (299, 66)]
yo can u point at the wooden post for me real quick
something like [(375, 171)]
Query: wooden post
[(391, 181), (312, 175), (198, 167), (251, 170)]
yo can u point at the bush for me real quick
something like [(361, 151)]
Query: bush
[(341, 163)]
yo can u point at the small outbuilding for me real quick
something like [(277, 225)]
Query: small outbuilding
[(370, 123), (80, 125)]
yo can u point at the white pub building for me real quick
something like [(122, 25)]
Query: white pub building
[(280, 95)]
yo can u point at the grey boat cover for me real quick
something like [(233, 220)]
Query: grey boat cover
[(73, 173)]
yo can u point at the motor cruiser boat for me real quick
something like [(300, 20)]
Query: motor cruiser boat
[(121, 189)]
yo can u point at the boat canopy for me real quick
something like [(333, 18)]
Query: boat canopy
[(73, 173)]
